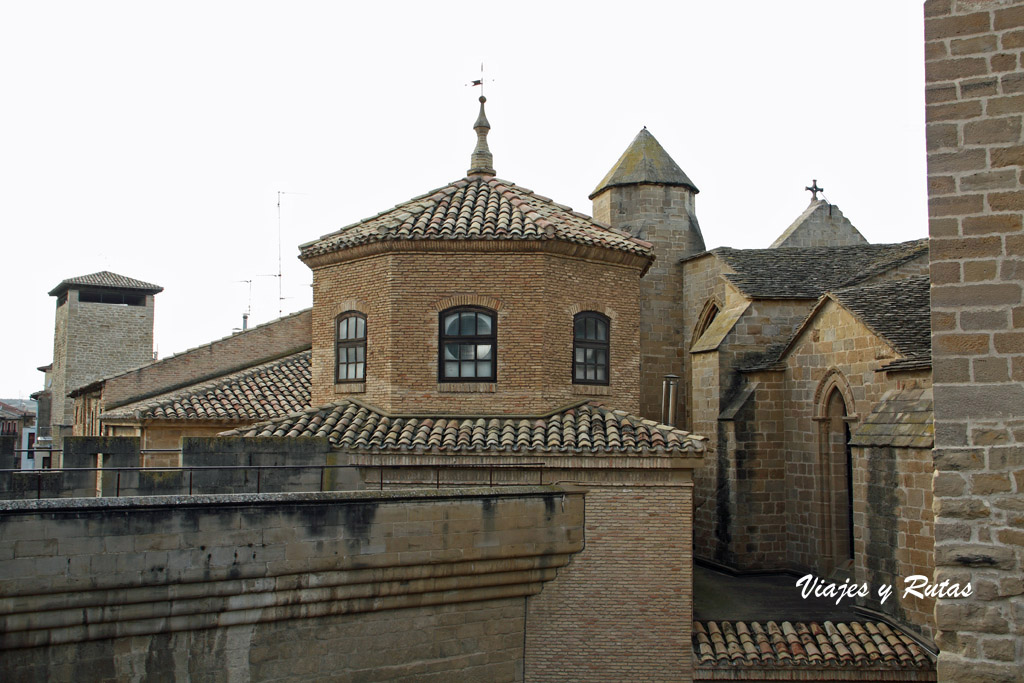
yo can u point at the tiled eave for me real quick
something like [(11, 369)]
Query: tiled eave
[(550, 246)]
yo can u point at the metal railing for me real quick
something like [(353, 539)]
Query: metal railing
[(435, 481)]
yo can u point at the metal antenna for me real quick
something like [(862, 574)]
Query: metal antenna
[(280, 272)]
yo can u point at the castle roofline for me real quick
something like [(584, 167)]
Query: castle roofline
[(645, 161), (105, 280)]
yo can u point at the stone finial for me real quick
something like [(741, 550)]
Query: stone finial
[(482, 163)]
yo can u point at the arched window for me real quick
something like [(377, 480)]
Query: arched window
[(590, 348), (350, 334), (707, 316), (467, 345)]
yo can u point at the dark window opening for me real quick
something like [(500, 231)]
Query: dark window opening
[(590, 349), (123, 298), (350, 333), (467, 345)]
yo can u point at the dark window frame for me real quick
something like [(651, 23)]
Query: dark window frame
[(357, 342), (583, 343), (474, 340)]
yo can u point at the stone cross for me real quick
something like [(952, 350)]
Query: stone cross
[(814, 190)]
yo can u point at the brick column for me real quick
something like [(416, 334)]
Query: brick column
[(975, 97)]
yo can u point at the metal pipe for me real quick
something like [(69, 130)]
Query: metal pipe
[(672, 382)]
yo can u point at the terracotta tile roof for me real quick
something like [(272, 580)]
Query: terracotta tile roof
[(898, 310), (903, 418), (477, 208), (854, 645), (584, 428), (262, 392), (105, 279), (808, 272)]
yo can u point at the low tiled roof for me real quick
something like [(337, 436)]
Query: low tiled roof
[(903, 418), (477, 208), (808, 272), (265, 391), (858, 644), (107, 280), (897, 310), (583, 428)]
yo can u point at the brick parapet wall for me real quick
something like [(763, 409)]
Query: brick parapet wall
[(975, 99), (535, 296)]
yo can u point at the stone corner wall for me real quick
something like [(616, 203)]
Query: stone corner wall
[(975, 100)]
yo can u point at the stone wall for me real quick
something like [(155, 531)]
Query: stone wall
[(975, 99), (426, 586), (535, 295), (664, 216), (92, 340)]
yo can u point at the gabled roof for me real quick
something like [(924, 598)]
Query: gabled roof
[(821, 224), (478, 208), (834, 647), (582, 428), (808, 272), (899, 311), (265, 391), (105, 280), (645, 161)]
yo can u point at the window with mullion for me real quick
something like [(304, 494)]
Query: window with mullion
[(350, 359), (467, 345), (590, 349)]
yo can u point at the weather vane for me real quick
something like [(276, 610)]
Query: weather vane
[(480, 81)]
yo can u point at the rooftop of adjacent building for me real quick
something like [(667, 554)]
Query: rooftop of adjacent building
[(105, 279)]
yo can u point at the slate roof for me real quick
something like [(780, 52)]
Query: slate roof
[(478, 208), (583, 428), (808, 272), (902, 419), (836, 646), (644, 161), (897, 310), (265, 391), (105, 279)]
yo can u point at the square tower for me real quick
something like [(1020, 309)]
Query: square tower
[(104, 325)]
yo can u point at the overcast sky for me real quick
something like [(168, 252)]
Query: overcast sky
[(151, 139)]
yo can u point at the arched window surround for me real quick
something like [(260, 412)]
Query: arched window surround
[(350, 333), (467, 352), (591, 349)]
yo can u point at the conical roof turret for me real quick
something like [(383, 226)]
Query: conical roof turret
[(645, 161), (481, 163)]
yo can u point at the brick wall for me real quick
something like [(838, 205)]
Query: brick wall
[(535, 295), (975, 99), (665, 217), (601, 621)]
